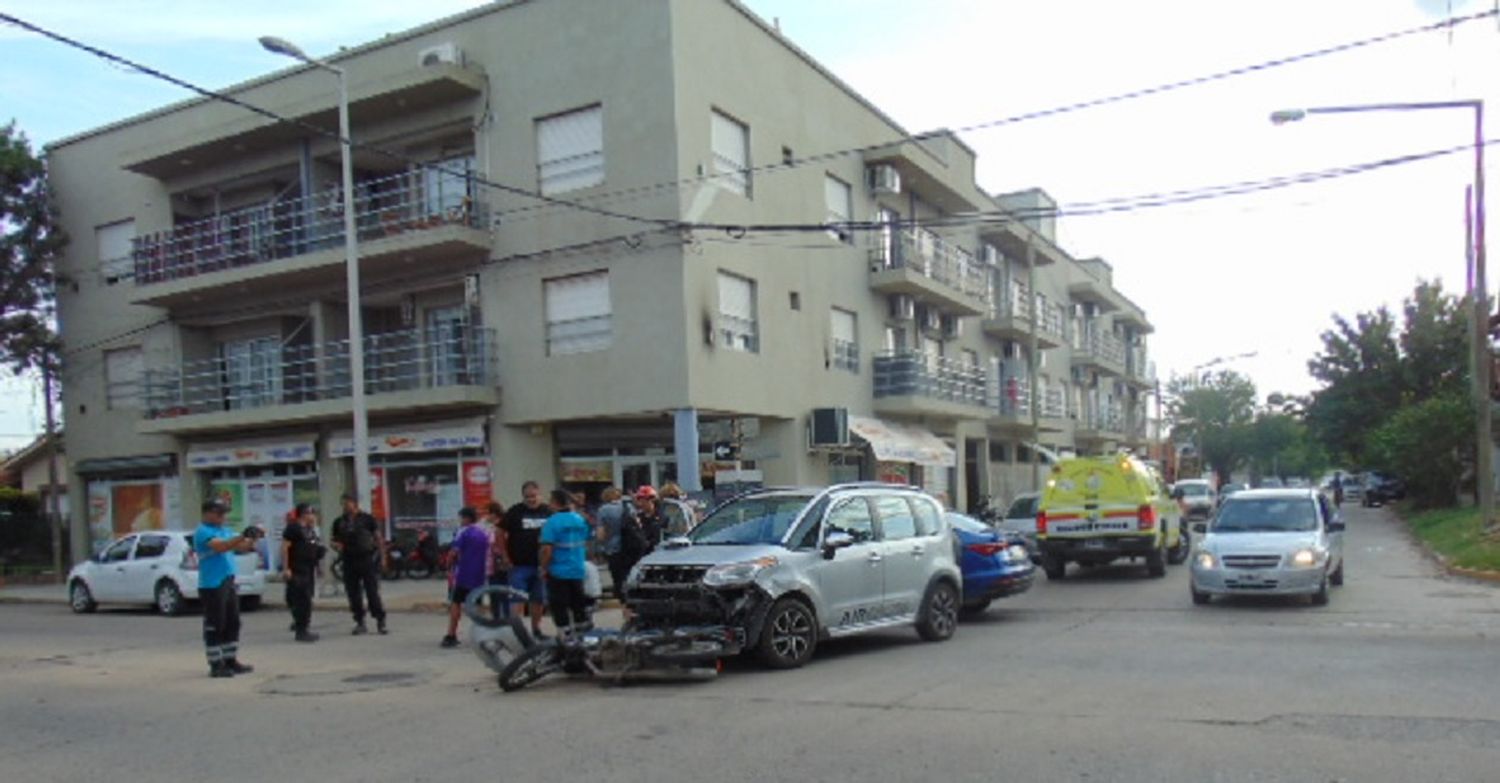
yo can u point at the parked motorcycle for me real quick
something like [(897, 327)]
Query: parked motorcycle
[(425, 558)]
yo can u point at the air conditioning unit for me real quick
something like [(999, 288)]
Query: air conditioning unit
[(953, 326), (884, 179), (828, 427), (442, 54), (929, 319), (903, 307)]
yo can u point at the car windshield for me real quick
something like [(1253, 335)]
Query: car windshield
[(1023, 508), (1193, 490), (1266, 515), (968, 524), (762, 519)]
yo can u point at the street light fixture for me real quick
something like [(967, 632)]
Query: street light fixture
[(351, 269), (1479, 333)]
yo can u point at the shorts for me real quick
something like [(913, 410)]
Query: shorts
[(528, 579), (458, 595)]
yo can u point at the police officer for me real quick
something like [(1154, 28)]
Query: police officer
[(216, 546)]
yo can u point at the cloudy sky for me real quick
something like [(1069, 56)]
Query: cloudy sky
[(1259, 273)]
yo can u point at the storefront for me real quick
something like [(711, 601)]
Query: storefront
[(261, 481), (906, 454), (130, 495), (421, 475)]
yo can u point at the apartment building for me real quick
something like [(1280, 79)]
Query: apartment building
[(600, 335)]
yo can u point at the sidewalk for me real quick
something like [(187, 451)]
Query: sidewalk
[(401, 595)]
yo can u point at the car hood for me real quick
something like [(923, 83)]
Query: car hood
[(712, 554), (1256, 543)]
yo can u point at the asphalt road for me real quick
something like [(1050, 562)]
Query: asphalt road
[(1107, 676)]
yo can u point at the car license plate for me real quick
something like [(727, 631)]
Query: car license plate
[(1252, 576), (1094, 543)]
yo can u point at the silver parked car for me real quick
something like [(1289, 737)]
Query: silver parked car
[(1270, 542), (1021, 518), (784, 568)]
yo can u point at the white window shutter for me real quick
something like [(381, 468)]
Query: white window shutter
[(843, 326), (579, 314), (730, 143), (570, 150)]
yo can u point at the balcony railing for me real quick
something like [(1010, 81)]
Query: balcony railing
[(1138, 367), (933, 257), (909, 373), (1102, 347), (285, 228), (1015, 396), (1053, 405), (1102, 418), (1013, 303), (291, 374)]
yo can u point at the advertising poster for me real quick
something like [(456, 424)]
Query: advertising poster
[(893, 472), (100, 529), (231, 494), (136, 507), (379, 507), (478, 490)]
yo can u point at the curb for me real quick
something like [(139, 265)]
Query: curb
[(1477, 574)]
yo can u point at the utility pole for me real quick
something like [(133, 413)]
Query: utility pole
[(54, 517), (1484, 460), (1031, 365)]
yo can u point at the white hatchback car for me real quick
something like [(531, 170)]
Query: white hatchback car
[(1270, 542), (157, 569)]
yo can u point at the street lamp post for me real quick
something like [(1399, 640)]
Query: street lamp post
[(1479, 334), (351, 270)]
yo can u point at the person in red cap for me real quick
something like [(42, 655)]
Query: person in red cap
[(649, 518)]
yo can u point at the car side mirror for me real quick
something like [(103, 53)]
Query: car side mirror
[(835, 541), (1200, 528)]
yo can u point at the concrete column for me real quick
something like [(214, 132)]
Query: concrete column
[(685, 448), (79, 547)]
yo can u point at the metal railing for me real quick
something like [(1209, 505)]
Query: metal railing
[(291, 374), (1053, 404), (910, 373), (1014, 396), (934, 257), (1102, 418), (1016, 302), (1104, 347), (1138, 367), (284, 228)]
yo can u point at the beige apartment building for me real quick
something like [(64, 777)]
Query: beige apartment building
[(511, 338)]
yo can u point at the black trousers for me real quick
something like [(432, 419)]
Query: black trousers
[(569, 604), (619, 568), (361, 582), (221, 621), (299, 598)]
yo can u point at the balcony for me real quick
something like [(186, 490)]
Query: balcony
[(1010, 319), (1100, 422), (404, 372), (1102, 352), (908, 383), (1138, 370), (1013, 408), (431, 222), (918, 263), (1053, 405)]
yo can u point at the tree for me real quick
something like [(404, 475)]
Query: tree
[(30, 244), (1361, 372), (1428, 444), (1434, 343), (1214, 412)]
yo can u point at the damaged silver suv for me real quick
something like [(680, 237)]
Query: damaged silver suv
[(783, 569)]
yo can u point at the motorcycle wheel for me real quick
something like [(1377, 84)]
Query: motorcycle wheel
[(530, 666), (419, 568)]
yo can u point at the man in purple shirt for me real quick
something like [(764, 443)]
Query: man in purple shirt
[(471, 558)]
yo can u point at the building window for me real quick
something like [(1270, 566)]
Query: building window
[(737, 326), (843, 325), (124, 371), (838, 198), (447, 187), (730, 140), (252, 372), (115, 243), (579, 316), (570, 151)]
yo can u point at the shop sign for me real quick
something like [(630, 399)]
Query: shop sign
[(588, 472), (478, 490), (203, 458), (454, 438)]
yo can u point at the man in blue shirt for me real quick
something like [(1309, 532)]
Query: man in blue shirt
[(564, 542), (216, 545)]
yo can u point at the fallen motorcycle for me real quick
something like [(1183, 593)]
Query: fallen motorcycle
[(631, 653)]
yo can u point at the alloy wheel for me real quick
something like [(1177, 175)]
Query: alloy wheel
[(791, 632)]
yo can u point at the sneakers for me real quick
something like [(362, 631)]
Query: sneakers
[(449, 642), (306, 636), (380, 627), (235, 667), (359, 630), (218, 670)]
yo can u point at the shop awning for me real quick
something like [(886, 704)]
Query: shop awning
[(149, 463), (437, 436), (893, 442), (267, 451)]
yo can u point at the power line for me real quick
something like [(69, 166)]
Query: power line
[(119, 60)]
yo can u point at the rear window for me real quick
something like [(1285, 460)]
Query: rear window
[(1023, 508), (1194, 490)]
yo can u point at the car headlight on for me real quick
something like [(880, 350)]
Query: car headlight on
[(1206, 560), (735, 574), (1306, 558)]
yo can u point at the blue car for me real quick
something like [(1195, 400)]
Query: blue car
[(995, 563)]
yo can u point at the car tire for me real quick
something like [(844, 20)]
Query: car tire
[(1178, 555), (250, 603), (1337, 577), (1320, 598), (169, 600), (1156, 562), (938, 618), (789, 636), (1055, 568), (1200, 598), (80, 598)]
